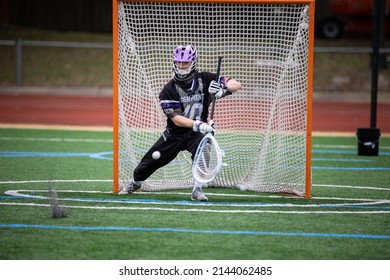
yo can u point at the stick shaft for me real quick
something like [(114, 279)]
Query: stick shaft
[(214, 98)]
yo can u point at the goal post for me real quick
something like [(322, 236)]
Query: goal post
[(264, 129)]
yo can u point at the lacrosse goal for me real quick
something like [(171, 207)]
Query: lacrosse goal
[(264, 129)]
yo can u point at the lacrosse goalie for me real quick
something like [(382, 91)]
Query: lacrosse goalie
[(185, 100)]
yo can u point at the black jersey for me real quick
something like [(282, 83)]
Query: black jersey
[(192, 102)]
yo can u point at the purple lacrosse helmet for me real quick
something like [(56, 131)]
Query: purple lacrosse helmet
[(185, 53)]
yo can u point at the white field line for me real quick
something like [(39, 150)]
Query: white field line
[(197, 210), (330, 146), (201, 207), (110, 181), (358, 201), (365, 203), (95, 140), (42, 139), (17, 193), (58, 127), (56, 181), (353, 187)]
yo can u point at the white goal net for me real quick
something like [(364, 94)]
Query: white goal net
[(264, 129)]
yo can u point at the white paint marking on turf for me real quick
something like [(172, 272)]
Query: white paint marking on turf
[(59, 127), (209, 204), (343, 146), (44, 139), (94, 140), (198, 210), (56, 181), (363, 201), (110, 181), (353, 187), (18, 193)]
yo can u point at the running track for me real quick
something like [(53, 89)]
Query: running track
[(56, 109)]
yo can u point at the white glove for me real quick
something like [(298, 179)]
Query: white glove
[(202, 127), (217, 89)]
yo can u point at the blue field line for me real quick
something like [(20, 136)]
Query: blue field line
[(206, 231)]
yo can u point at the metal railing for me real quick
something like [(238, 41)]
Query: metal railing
[(19, 44)]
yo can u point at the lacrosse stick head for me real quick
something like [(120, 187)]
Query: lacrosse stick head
[(208, 159)]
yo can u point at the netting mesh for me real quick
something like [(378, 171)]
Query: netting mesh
[(261, 128)]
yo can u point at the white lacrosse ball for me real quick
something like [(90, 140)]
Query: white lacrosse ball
[(156, 155)]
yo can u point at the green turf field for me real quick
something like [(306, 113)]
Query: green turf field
[(348, 216)]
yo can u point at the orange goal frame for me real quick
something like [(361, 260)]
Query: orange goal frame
[(311, 3)]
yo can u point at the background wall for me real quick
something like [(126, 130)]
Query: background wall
[(60, 15)]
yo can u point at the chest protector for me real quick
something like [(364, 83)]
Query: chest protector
[(192, 99)]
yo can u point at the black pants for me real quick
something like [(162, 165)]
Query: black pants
[(169, 147)]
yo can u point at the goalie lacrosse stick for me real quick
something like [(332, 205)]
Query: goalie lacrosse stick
[(208, 157)]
